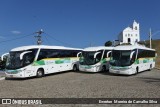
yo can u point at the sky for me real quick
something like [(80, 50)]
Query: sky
[(74, 23)]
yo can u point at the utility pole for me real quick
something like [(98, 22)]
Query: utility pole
[(39, 40), (150, 38)]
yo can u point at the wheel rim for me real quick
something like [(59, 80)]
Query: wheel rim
[(103, 68), (39, 73)]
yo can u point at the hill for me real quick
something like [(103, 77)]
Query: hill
[(156, 46)]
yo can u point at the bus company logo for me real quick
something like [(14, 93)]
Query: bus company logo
[(6, 101)]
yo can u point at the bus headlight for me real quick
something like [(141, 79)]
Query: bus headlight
[(19, 71), (97, 67), (13, 71)]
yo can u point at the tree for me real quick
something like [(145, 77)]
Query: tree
[(108, 43)]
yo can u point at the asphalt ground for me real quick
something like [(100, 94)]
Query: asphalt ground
[(78, 84)]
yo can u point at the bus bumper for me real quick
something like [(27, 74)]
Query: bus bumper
[(86, 68), (17, 75), (123, 72)]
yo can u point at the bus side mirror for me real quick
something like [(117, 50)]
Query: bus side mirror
[(2, 57), (96, 54), (23, 53), (79, 53), (131, 54), (108, 53)]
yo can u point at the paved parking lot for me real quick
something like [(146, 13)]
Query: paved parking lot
[(84, 85)]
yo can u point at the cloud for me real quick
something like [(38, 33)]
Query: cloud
[(15, 32)]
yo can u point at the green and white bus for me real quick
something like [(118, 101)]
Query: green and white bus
[(95, 59), (131, 59), (38, 60)]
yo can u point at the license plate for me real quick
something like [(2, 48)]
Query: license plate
[(118, 72), (11, 75)]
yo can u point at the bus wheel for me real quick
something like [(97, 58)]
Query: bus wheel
[(137, 70), (75, 68), (40, 73), (103, 68), (150, 67)]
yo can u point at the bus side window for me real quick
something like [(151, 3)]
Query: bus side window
[(145, 53), (75, 53), (139, 53), (64, 53), (42, 54)]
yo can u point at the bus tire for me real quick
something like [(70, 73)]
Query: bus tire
[(150, 67), (137, 70), (103, 68), (75, 68), (40, 73), (6, 78)]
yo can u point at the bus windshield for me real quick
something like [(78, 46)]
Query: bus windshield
[(88, 57), (121, 58), (14, 61)]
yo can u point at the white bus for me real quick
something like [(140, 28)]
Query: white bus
[(38, 60), (95, 59), (131, 59)]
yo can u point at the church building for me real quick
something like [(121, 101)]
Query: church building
[(130, 34)]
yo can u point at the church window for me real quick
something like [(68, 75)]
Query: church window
[(136, 28)]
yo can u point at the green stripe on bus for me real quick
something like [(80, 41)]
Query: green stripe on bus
[(49, 61), (144, 60), (105, 60), (36, 63), (137, 61)]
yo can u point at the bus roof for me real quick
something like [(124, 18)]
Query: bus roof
[(131, 47), (22, 48), (97, 48)]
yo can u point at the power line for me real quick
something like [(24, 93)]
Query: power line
[(58, 40), (16, 38), (38, 36), (47, 40)]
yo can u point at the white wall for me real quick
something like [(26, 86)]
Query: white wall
[(130, 32)]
